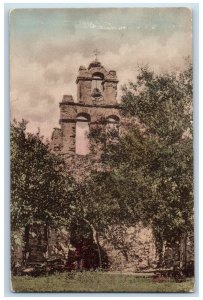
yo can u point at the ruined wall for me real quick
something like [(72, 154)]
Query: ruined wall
[(56, 140), (127, 249), (84, 91), (68, 137), (130, 248), (110, 92), (64, 139)]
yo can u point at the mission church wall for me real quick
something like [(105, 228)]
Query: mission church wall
[(96, 100)]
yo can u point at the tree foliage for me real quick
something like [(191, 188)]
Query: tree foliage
[(152, 162), (40, 188)]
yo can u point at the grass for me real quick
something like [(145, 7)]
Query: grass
[(97, 282)]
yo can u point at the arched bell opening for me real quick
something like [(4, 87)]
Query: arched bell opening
[(82, 133), (97, 87)]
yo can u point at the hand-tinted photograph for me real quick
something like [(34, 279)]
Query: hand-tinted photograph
[(101, 150)]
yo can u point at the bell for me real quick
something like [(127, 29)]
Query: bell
[(96, 93)]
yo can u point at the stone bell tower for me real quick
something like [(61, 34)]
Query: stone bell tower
[(96, 99), (96, 86)]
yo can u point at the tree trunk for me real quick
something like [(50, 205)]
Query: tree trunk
[(98, 248), (159, 250), (183, 249), (96, 240)]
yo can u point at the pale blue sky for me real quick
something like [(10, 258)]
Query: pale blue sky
[(48, 46)]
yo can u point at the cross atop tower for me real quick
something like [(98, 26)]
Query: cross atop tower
[(96, 52)]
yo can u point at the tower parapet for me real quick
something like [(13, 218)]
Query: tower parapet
[(96, 85)]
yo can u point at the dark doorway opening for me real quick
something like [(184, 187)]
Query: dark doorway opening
[(86, 255)]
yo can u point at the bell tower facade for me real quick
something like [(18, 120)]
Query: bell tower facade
[(96, 99), (96, 86)]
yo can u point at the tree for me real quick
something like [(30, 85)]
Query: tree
[(163, 103), (40, 188), (152, 162), (43, 190)]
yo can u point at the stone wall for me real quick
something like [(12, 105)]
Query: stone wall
[(64, 138), (56, 140), (127, 249), (110, 91), (130, 248), (84, 91), (108, 81), (68, 130), (71, 110)]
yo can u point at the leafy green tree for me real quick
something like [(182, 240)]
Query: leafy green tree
[(163, 103), (152, 161), (41, 190)]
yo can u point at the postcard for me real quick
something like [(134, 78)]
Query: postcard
[(101, 150)]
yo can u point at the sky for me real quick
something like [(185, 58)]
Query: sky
[(47, 47)]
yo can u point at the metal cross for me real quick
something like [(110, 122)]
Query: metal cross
[(96, 52)]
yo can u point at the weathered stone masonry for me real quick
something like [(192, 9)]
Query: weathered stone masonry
[(96, 99)]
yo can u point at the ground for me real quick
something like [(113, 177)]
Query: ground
[(97, 282)]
